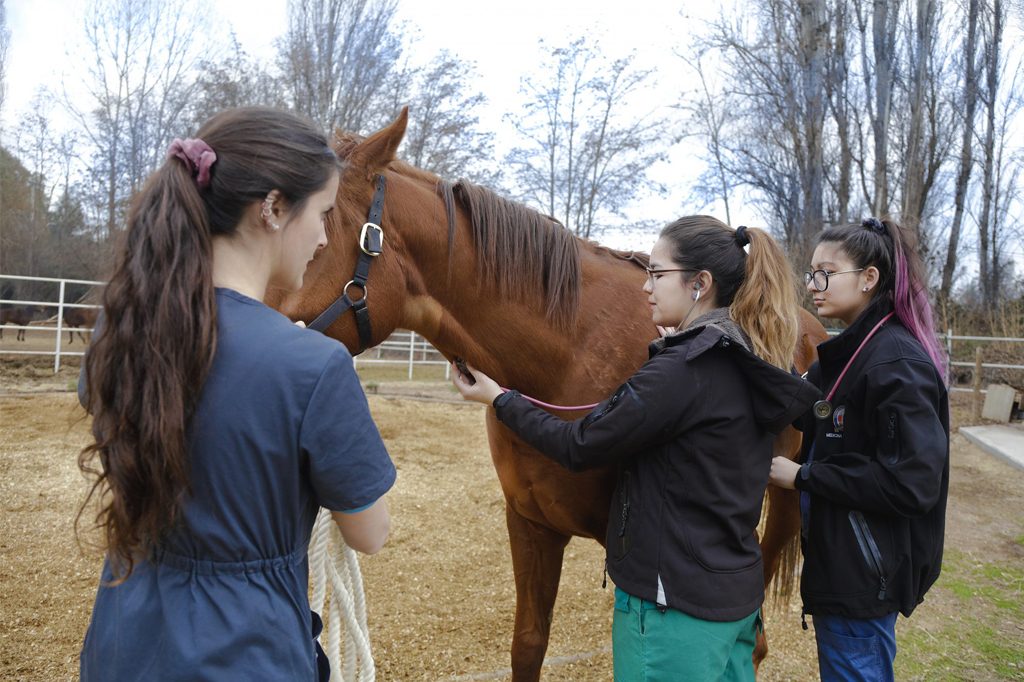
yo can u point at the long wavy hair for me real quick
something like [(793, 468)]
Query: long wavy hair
[(758, 287), (885, 245), (146, 367)]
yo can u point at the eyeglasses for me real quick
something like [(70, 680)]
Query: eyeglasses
[(820, 277), (652, 273)]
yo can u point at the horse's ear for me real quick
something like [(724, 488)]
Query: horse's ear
[(378, 150)]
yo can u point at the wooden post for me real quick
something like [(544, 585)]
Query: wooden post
[(977, 383)]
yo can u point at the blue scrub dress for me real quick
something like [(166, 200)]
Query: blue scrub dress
[(281, 429)]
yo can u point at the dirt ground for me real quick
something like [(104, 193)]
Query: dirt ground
[(440, 594)]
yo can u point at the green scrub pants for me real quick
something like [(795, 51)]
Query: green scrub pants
[(649, 645)]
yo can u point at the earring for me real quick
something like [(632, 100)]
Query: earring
[(865, 290), (267, 213)]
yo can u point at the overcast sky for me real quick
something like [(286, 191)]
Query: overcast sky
[(500, 38)]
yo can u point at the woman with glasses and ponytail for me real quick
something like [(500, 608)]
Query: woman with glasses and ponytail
[(875, 462), (691, 433), (220, 427)]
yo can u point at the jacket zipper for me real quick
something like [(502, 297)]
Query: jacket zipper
[(868, 548), (624, 498), (593, 417)]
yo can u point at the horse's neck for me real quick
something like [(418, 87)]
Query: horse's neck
[(513, 340)]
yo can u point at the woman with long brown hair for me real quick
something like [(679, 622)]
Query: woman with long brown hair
[(220, 427), (692, 433)]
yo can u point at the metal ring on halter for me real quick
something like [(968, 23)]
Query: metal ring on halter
[(344, 291), (362, 239)]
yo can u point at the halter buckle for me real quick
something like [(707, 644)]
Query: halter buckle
[(373, 232), (344, 291)]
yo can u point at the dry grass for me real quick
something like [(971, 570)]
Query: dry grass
[(441, 594)]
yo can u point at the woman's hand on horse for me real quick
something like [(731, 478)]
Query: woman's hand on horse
[(783, 473), (485, 390)]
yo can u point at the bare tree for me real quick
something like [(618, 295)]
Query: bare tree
[(774, 60), (139, 76), (234, 80), (813, 34), (966, 162), (5, 38), (444, 134), (1002, 99), (843, 112), (879, 75), (707, 115), (586, 154), (992, 48), (916, 169), (5, 41), (336, 57), (35, 144)]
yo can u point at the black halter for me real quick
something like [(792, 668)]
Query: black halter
[(371, 243)]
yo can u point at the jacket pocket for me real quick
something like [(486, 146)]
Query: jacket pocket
[(869, 550), (619, 540), (616, 397)]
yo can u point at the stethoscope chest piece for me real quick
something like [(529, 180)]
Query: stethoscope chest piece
[(822, 409)]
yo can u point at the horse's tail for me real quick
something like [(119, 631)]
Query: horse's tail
[(780, 544), (782, 586)]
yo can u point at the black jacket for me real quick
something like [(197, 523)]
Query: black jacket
[(692, 432), (878, 477)]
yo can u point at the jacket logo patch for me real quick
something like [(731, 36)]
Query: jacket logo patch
[(837, 418)]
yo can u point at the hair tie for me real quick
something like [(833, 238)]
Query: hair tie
[(197, 155), (874, 224), (741, 237)]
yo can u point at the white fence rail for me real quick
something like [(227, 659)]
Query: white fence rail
[(976, 365), (401, 348), (60, 304)]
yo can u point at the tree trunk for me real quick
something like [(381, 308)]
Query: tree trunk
[(883, 39), (837, 85), (916, 169), (813, 31), (986, 247), (966, 148)]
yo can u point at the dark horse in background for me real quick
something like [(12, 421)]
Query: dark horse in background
[(18, 316), (520, 297)]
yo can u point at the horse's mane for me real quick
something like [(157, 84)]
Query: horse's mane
[(518, 249)]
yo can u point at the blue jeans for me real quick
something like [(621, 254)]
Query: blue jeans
[(854, 649)]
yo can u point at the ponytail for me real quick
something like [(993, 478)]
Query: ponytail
[(910, 298), (765, 306), (758, 288), (145, 370)]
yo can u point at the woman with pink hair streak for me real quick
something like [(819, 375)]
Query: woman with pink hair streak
[(874, 471)]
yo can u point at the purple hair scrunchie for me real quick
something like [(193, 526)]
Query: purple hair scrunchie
[(197, 155)]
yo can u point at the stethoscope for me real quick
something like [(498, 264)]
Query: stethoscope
[(823, 408)]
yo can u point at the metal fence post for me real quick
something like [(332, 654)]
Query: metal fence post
[(60, 329), (412, 351)]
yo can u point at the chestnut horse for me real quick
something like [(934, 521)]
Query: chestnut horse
[(520, 297)]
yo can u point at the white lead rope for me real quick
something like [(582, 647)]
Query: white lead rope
[(335, 564)]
